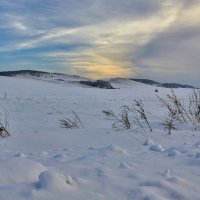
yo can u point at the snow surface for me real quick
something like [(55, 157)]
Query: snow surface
[(42, 161)]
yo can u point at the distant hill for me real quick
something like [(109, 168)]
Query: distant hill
[(31, 73), (36, 73), (58, 77), (22, 72), (166, 85)]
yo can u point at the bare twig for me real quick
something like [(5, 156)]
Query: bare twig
[(138, 107), (132, 118), (179, 110), (71, 123), (4, 125)]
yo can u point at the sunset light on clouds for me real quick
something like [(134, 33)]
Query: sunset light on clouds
[(103, 38)]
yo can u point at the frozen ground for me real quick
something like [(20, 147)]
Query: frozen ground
[(42, 161)]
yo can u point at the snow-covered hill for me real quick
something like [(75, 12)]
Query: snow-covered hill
[(42, 161)]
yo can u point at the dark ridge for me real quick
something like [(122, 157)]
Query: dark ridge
[(98, 84), (165, 85), (146, 81), (176, 85), (23, 72), (32, 73)]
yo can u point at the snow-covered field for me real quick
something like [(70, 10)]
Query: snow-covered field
[(41, 160)]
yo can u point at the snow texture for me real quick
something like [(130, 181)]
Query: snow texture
[(43, 161)]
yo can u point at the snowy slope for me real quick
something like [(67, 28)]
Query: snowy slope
[(43, 161)]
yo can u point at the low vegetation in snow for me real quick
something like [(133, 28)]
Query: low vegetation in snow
[(86, 159)]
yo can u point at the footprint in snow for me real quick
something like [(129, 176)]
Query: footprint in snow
[(60, 156), (20, 155), (197, 145), (54, 181), (148, 142), (124, 165), (167, 175), (172, 152), (112, 149), (156, 148), (198, 155)]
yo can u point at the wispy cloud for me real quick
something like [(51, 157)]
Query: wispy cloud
[(101, 38), (175, 52)]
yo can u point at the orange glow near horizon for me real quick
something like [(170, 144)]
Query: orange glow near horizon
[(103, 65), (107, 71)]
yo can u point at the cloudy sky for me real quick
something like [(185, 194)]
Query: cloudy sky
[(157, 39)]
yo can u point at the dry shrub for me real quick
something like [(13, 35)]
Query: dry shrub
[(71, 123), (132, 117), (187, 112), (194, 108), (4, 126), (123, 119)]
